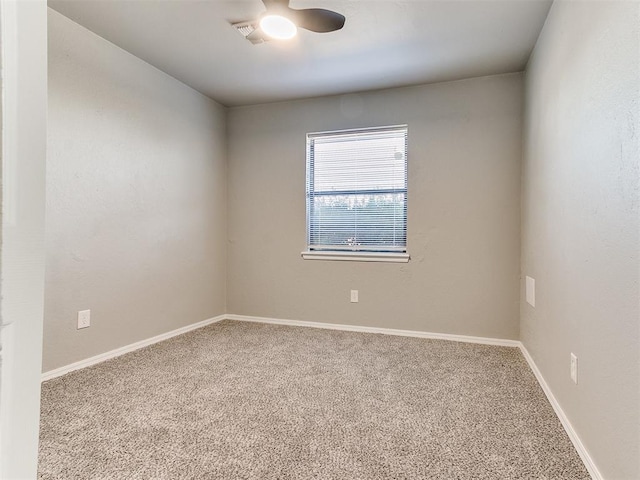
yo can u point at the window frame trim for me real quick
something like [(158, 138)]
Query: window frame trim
[(359, 256), (342, 254)]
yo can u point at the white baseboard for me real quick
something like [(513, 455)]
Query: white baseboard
[(385, 331), (127, 348), (573, 436)]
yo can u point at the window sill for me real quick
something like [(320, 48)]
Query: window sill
[(356, 256)]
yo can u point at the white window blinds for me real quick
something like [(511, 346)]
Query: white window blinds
[(357, 190)]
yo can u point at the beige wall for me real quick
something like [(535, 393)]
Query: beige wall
[(581, 222), (464, 211), (136, 213)]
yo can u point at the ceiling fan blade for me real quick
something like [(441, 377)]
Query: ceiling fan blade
[(318, 19)]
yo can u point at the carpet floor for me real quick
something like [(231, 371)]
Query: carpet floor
[(238, 400)]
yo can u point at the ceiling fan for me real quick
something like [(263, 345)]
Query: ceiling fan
[(281, 22)]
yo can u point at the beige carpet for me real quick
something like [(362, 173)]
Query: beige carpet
[(250, 401)]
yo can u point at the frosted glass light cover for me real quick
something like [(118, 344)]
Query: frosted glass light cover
[(278, 27)]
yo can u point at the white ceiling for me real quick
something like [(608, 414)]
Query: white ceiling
[(383, 43)]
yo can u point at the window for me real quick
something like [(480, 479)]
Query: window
[(357, 195)]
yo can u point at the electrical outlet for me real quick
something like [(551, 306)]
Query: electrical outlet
[(354, 296), (574, 368), (84, 319)]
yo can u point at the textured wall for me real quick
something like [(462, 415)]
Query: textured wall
[(136, 222), (581, 222), (464, 211)]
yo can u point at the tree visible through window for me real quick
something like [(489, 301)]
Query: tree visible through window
[(357, 190)]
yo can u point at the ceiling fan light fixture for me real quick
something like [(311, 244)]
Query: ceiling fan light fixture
[(278, 27)]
